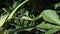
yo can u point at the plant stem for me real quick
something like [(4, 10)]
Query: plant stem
[(16, 9), (38, 17), (4, 27)]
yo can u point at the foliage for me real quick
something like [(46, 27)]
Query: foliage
[(20, 19)]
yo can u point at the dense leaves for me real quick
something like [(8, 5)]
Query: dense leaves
[(21, 18)]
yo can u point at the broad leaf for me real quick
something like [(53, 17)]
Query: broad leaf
[(50, 16), (46, 26), (57, 5), (51, 31), (3, 19)]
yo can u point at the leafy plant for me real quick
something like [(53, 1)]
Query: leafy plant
[(22, 20)]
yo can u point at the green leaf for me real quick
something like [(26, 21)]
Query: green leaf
[(57, 5), (17, 21), (15, 4), (3, 19), (50, 16), (51, 31), (26, 13), (46, 26), (26, 18)]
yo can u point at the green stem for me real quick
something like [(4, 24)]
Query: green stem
[(4, 27), (17, 8), (38, 17)]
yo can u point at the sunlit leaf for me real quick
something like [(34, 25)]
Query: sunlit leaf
[(3, 19), (50, 16), (51, 31), (47, 26), (26, 18)]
